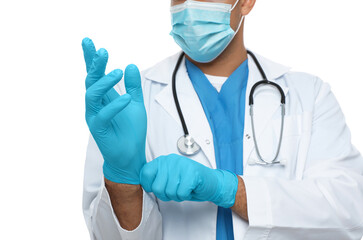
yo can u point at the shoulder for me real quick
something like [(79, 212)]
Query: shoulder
[(302, 81), (302, 86), (162, 71), (305, 88)]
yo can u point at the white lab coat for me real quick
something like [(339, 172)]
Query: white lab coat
[(317, 195)]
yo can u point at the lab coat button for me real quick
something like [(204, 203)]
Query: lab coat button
[(248, 136), (207, 141)]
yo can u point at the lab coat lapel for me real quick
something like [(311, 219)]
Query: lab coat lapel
[(192, 109)]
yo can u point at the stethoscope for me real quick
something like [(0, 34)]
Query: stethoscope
[(189, 147)]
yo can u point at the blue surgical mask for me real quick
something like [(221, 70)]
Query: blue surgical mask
[(202, 29)]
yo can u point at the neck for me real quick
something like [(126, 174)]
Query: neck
[(231, 58)]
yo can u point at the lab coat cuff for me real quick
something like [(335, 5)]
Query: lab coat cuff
[(147, 207), (258, 203)]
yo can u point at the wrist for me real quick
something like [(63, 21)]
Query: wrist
[(122, 189), (240, 206), (126, 200)]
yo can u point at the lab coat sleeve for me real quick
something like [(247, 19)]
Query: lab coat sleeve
[(100, 218), (327, 203)]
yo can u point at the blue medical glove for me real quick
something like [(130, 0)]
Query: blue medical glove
[(178, 178), (117, 123)]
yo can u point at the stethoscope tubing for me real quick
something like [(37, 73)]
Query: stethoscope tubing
[(176, 100), (265, 81)]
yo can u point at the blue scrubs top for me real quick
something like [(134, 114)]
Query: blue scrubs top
[(225, 112)]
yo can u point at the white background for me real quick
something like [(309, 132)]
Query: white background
[(42, 128)]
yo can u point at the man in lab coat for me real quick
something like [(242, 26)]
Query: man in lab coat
[(138, 186)]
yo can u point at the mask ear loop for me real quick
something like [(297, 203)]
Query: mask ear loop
[(240, 23), (235, 4)]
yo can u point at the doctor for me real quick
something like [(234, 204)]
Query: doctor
[(141, 182)]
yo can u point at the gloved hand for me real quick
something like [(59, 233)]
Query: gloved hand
[(178, 178), (117, 123)]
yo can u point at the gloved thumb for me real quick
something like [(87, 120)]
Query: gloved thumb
[(133, 83)]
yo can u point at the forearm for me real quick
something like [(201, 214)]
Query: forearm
[(240, 205), (126, 202)]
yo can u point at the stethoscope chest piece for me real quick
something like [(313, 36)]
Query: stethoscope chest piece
[(187, 146)]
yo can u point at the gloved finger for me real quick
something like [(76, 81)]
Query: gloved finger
[(89, 52), (133, 83), (104, 117), (95, 93), (172, 187), (97, 68), (111, 95), (185, 188), (160, 182), (147, 175)]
